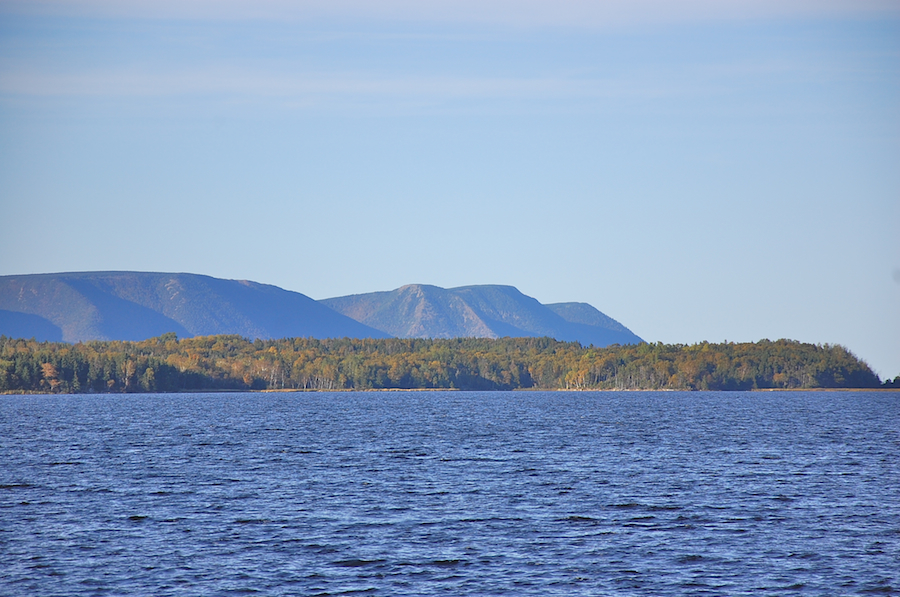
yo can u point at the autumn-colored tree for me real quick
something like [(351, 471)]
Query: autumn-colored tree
[(230, 362)]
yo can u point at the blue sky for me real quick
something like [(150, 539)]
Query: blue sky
[(696, 170)]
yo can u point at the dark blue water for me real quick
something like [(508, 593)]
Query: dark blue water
[(406, 493)]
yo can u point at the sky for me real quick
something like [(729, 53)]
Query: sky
[(697, 170)]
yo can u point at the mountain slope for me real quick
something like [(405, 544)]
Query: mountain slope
[(26, 325), (488, 311), (590, 326), (140, 305)]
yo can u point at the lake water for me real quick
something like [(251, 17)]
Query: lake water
[(451, 493)]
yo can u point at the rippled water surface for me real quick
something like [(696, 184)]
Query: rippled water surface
[(420, 493)]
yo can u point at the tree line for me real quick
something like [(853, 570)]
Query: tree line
[(169, 364)]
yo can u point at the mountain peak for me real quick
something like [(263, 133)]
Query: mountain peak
[(483, 311), (140, 305)]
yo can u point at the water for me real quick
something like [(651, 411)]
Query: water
[(407, 493)]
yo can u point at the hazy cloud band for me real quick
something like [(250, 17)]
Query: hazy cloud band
[(516, 13)]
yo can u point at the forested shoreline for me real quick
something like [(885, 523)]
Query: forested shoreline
[(169, 364)]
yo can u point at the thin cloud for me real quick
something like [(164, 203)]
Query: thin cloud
[(205, 82), (515, 13), (310, 89)]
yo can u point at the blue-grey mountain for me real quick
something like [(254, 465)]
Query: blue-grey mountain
[(137, 305), (488, 311), (85, 306)]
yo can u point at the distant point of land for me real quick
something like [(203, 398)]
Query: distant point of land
[(233, 363)]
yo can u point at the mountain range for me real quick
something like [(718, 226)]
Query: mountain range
[(487, 311), (81, 306), (75, 307)]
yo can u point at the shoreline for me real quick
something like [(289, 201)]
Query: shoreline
[(345, 390)]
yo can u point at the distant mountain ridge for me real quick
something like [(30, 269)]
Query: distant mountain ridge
[(81, 306), (84, 306), (487, 311)]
